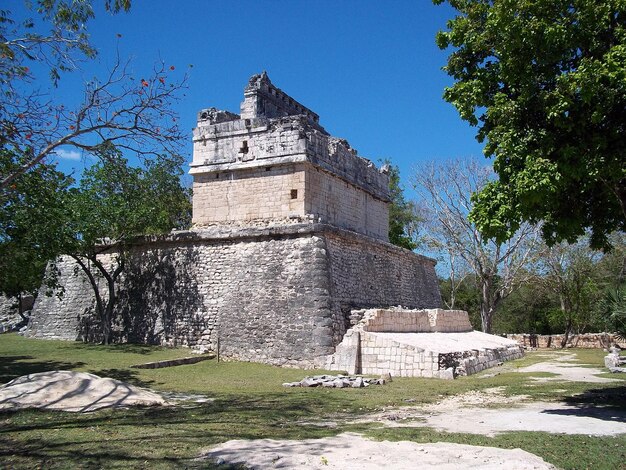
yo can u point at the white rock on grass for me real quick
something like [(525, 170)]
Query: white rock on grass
[(73, 391)]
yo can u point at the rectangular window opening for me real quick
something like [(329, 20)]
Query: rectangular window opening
[(294, 194)]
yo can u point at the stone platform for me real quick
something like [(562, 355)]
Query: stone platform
[(419, 343)]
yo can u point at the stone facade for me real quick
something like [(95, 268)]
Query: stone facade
[(275, 163), (408, 343), (281, 295)]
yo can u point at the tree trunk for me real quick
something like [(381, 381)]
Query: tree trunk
[(107, 318), (486, 305), (568, 330)]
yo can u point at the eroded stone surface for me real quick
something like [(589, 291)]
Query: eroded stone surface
[(353, 451), (73, 391)]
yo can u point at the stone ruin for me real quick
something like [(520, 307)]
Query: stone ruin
[(289, 248)]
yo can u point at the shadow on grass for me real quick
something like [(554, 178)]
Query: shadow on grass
[(126, 348), (12, 367), (125, 375), (161, 437), (608, 398)]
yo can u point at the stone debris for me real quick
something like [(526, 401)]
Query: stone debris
[(338, 381), (613, 360)]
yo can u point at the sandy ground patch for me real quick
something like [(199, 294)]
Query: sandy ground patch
[(567, 372), (73, 391), (352, 451), (467, 413), (555, 418)]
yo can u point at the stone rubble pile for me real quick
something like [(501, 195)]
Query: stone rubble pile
[(337, 381)]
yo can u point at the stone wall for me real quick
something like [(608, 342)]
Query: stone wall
[(257, 193), (261, 97), (367, 274), (585, 340), (421, 321), (384, 353), (275, 295), (337, 202)]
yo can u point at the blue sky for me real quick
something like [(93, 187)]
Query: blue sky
[(371, 70)]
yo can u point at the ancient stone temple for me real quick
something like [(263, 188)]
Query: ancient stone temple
[(274, 163), (288, 249)]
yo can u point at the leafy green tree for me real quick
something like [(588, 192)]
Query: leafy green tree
[(545, 83), (33, 227), (114, 204), (570, 272), (404, 218), (529, 309)]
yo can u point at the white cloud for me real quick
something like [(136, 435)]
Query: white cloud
[(67, 154)]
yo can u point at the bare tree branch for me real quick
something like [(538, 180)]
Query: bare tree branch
[(446, 189)]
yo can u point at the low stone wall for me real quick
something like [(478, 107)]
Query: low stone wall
[(419, 343), (275, 295), (416, 321), (586, 340)]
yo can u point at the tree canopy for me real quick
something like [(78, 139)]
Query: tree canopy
[(113, 204), (545, 83), (121, 115), (33, 228), (497, 267)]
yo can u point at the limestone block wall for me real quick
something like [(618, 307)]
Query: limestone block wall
[(417, 321), (369, 274), (273, 192), (261, 97), (335, 201), (419, 343), (266, 294), (249, 142), (382, 353)]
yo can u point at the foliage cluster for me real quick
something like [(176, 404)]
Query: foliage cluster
[(545, 83), (582, 293), (404, 217)]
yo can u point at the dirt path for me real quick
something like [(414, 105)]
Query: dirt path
[(472, 412)]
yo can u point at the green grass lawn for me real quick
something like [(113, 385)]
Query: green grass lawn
[(250, 402)]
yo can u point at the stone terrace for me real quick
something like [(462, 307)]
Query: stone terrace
[(419, 343)]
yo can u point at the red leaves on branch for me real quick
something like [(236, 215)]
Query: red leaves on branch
[(28, 136), (144, 82), (172, 67), (162, 80)]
